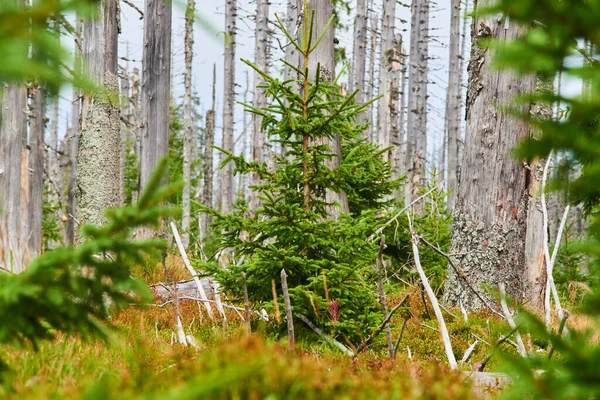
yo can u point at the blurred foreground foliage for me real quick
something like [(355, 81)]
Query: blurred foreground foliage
[(68, 289), (558, 32)]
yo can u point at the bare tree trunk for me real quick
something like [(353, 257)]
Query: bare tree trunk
[(261, 60), (12, 132), (324, 55), (207, 187), (156, 86), (490, 214), (359, 56), (228, 104), (135, 111), (417, 101), (370, 89), (98, 155), (401, 154), (534, 239), (36, 168), (453, 106), (187, 122), (241, 185), (385, 113), (125, 128)]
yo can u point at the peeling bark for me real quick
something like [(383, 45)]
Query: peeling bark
[(490, 216), (98, 154), (228, 104)]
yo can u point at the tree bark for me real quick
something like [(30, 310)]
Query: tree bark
[(324, 55), (156, 86), (36, 168), (534, 239), (98, 155), (261, 60), (416, 144), (207, 187), (12, 132), (385, 111), (490, 215), (227, 195), (73, 146), (359, 56), (454, 107), (187, 122), (370, 89)]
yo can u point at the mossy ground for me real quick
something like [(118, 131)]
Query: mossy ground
[(140, 360)]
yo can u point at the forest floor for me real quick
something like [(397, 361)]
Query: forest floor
[(140, 360)]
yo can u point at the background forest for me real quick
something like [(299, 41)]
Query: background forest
[(299, 199)]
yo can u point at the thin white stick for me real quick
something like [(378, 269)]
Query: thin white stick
[(469, 352), (186, 261), (550, 286), (511, 321), (432, 298), (180, 333), (325, 336), (378, 231)]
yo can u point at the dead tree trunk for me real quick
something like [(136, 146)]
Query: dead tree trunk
[(416, 143), (241, 184), (12, 132), (385, 113), (228, 104), (454, 107), (359, 56), (490, 213), (125, 127), (534, 239), (187, 122), (261, 60), (324, 55), (207, 184), (370, 87), (98, 155), (36, 169), (156, 86)]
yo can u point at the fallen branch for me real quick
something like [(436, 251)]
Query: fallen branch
[(511, 321), (469, 351), (399, 338), (432, 298), (381, 326), (186, 261), (325, 336), (130, 4), (563, 321)]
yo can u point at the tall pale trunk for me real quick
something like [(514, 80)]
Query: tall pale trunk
[(156, 86), (36, 169), (416, 144), (370, 87), (125, 126), (261, 60), (490, 214), (207, 184), (241, 184), (385, 113), (359, 53), (226, 175), (534, 239), (401, 154), (453, 106), (323, 55), (98, 153), (188, 139), (12, 133)]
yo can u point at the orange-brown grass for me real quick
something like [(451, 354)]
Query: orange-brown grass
[(140, 361)]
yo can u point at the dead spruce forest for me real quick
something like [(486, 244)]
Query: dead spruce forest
[(246, 199)]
